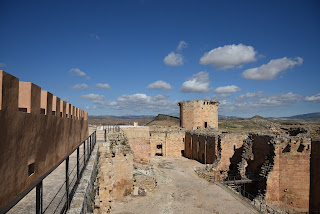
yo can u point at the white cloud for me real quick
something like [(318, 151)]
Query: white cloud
[(227, 89), (144, 103), (182, 45), (173, 59), (250, 95), (313, 98), (3, 64), (160, 85), (93, 97), (229, 56), (95, 36), (272, 69), (78, 72), (90, 107), (66, 99), (103, 86), (221, 96), (80, 86), (264, 102), (198, 83)]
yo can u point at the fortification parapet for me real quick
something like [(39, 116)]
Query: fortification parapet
[(35, 134)]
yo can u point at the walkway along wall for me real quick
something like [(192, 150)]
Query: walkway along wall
[(37, 130)]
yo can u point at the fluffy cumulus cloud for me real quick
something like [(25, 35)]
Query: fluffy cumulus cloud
[(80, 86), (198, 83), (144, 103), (313, 98), (103, 85), (77, 72), (250, 95), (227, 89), (173, 59), (272, 69), (182, 45), (229, 56), (160, 85)]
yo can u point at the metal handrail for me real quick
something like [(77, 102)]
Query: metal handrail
[(38, 183)]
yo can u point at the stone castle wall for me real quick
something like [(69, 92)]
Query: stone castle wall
[(167, 143), (315, 177), (282, 164), (139, 140), (37, 130), (200, 147), (288, 183), (197, 113)]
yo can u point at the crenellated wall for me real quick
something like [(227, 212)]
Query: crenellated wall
[(37, 130)]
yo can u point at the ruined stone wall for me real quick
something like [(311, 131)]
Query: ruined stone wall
[(167, 143), (123, 175), (139, 140), (175, 143), (200, 147), (228, 145), (37, 130), (288, 184), (197, 113), (188, 145), (158, 143), (315, 176)]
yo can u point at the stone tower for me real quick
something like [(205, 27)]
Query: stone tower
[(196, 113)]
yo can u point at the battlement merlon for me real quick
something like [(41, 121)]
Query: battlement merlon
[(204, 102), (27, 97)]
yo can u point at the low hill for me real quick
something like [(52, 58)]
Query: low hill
[(165, 120), (119, 120), (254, 123)]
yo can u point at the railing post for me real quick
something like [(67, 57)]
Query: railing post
[(78, 165), (105, 135), (90, 144), (67, 182), (39, 203), (84, 153)]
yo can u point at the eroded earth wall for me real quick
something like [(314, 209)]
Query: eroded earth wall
[(37, 130)]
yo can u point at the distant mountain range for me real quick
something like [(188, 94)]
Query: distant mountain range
[(309, 116), (122, 117)]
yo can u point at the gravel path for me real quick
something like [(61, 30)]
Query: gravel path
[(180, 190)]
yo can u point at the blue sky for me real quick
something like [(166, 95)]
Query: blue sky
[(140, 57)]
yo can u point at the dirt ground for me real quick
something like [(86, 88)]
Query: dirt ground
[(180, 190)]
